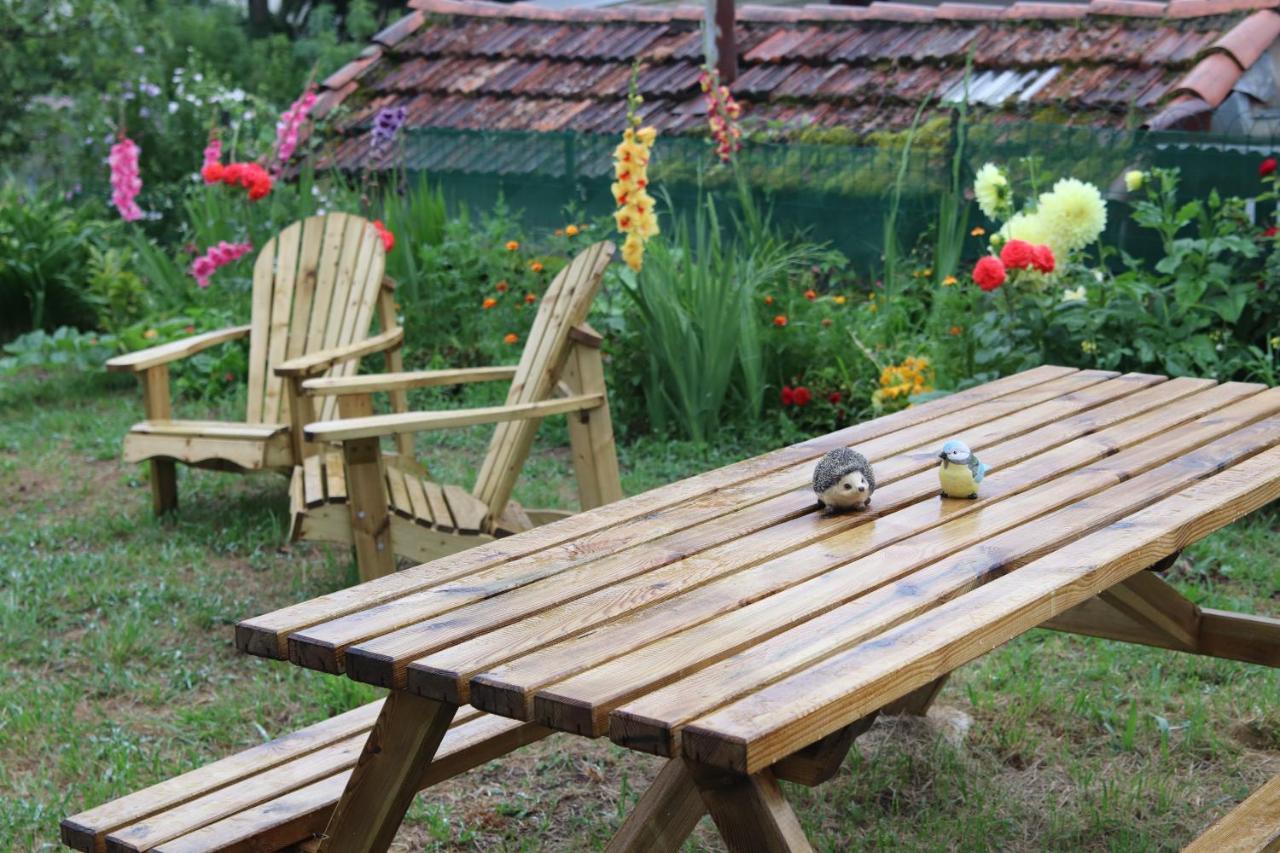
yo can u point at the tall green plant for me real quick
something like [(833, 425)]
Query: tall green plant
[(417, 217), (953, 207), (694, 301)]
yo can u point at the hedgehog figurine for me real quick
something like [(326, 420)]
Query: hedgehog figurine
[(844, 480)]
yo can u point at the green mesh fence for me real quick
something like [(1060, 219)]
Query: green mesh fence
[(834, 193)]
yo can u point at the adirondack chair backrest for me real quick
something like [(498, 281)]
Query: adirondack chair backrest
[(315, 285), (564, 306)]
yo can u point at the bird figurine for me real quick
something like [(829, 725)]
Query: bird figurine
[(960, 472), (843, 480)]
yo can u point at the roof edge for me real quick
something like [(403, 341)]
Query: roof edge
[(880, 10)]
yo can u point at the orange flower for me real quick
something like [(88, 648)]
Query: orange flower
[(511, 338), (811, 294), (536, 266), (780, 320), (150, 334), (502, 287), (571, 231), (512, 245), (488, 303), (768, 300), (978, 231), (956, 331), (529, 298)]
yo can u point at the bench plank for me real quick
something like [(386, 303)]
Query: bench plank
[(771, 500), (772, 723), (1251, 827), (267, 635)]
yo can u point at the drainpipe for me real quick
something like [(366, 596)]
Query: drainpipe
[(719, 41)]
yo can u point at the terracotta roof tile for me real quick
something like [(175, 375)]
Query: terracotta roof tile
[(1127, 8), (1211, 80), (1250, 38), (476, 65), (1025, 10), (969, 12), (1184, 113)]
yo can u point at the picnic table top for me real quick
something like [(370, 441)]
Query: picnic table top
[(725, 618)]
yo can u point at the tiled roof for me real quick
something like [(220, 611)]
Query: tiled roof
[(489, 66)]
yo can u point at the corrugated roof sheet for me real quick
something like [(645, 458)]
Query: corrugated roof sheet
[(472, 65)]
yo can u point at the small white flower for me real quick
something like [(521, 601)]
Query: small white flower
[(173, 107), (1077, 295)]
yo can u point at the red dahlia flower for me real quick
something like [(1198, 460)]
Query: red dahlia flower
[(989, 273), (1016, 255), (1042, 258)]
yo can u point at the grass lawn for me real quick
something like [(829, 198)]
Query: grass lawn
[(119, 670)]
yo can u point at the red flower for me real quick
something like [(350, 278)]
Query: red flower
[(1267, 167), (780, 320), (811, 294), (802, 396), (232, 173), (1042, 258), (1016, 255), (388, 239), (212, 173), (989, 273), (788, 396), (1270, 232), (834, 398)]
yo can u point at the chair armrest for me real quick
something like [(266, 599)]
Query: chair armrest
[(318, 362), (164, 353), (334, 386), (379, 425)]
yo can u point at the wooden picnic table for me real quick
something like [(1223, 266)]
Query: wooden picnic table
[(726, 623)]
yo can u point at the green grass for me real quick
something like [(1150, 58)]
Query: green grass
[(119, 669)]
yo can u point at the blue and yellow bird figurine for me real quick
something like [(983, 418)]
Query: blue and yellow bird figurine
[(960, 472)]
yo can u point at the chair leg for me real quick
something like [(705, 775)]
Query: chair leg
[(367, 499), (164, 486)]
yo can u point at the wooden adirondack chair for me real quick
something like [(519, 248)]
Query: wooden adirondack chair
[(354, 498), (315, 286)]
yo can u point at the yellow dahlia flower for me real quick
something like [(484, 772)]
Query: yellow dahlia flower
[(1028, 227), (1134, 179), (1073, 212), (991, 189)]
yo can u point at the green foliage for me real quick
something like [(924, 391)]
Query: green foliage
[(66, 348), (1204, 306), (45, 252), (695, 300)]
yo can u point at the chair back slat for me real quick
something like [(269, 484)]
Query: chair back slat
[(565, 305), (306, 299)]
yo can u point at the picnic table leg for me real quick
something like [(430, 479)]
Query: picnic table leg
[(917, 702), (1145, 609), (750, 812), (402, 742), (667, 812)]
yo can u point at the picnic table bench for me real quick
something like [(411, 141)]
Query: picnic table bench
[(726, 624)]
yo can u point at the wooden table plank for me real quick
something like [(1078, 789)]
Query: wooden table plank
[(519, 678), (766, 726), (581, 702), (753, 533), (266, 635), (893, 587), (445, 674)]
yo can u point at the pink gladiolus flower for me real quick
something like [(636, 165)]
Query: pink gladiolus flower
[(287, 128), (203, 267), (126, 183)]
